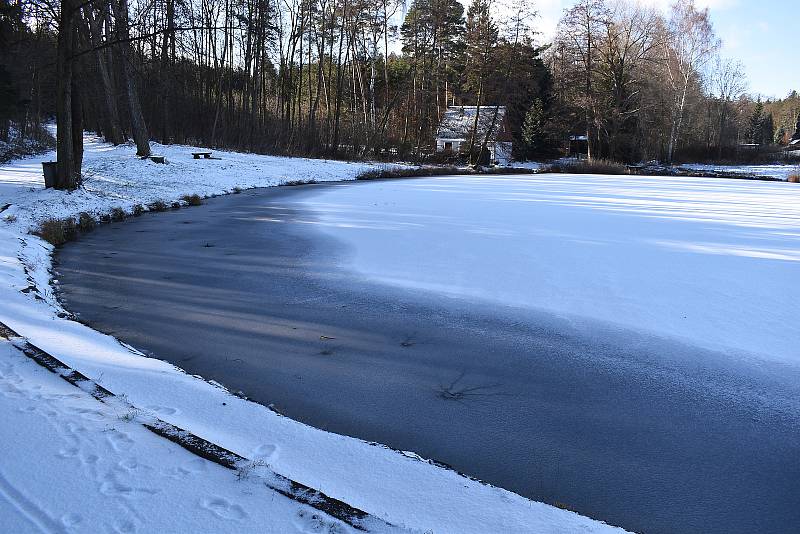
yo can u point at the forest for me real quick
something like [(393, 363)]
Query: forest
[(371, 79)]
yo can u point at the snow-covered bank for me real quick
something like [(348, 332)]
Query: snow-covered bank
[(72, 464), (780, 172), (714, 262), (398, 488)]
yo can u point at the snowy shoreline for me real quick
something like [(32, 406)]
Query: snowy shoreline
[(397, 488)]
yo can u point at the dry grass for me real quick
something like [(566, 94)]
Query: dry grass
[(384, 173), (138, 209), (595, 166), (158, 205), (57, 231), (192, 200), (299, 182), (117, 214), (86, 222), (794, 178)]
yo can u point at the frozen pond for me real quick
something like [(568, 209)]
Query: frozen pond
[(617, 345)]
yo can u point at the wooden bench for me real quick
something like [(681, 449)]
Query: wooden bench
[(206, 155)]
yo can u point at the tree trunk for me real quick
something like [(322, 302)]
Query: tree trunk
[(138, 125), (67, 178), (112, 129), (77, 129)]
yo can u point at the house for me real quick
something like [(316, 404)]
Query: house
[(796, 135), (457, 126)]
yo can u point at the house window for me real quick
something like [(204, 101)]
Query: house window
[(448, 145)]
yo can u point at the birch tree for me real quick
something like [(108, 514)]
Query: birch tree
[(691, 44)]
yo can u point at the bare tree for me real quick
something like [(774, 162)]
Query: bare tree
[(579, 29), (729, 84), (691, 44)]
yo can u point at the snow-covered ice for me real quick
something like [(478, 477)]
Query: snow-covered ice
[(72, 464), (713, 262)]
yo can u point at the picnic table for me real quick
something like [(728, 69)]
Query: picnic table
[(206, 155)]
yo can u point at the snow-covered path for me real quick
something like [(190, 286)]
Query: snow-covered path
[(712, 262), (73, 464)]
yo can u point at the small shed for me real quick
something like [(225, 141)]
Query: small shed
[(578, 146), (458, 124)]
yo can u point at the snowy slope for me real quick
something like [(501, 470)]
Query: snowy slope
[(713, 262), (399, 488), (72, 464)]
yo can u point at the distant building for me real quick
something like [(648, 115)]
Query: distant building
[(458, 124), (796, 136), (578, 146)]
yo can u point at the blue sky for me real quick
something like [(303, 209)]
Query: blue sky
[(763, 34)]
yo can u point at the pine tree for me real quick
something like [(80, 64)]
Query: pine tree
[(755, 125), (533, 128)]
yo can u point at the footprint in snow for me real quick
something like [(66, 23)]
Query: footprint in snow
[(161, 410), (223, 509), (68, 452), (128, 464), (114, 488), (264, 452), (119, 441), (70, 520), (125, 527), (191, 467)]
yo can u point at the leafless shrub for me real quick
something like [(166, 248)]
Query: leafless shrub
[(130, 415), (138, 209), (245, 469)]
